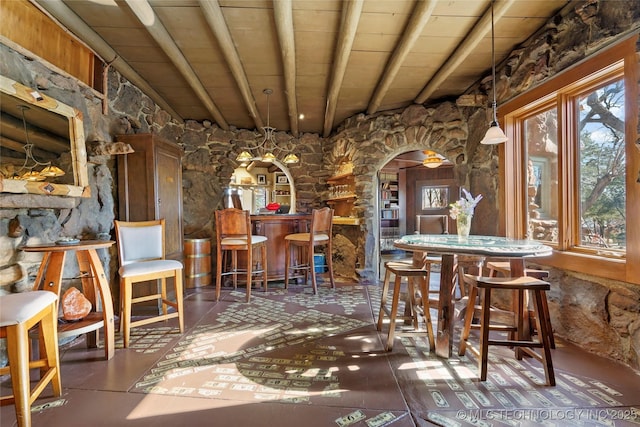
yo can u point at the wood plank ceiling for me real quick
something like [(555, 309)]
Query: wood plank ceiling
[(324, 59)]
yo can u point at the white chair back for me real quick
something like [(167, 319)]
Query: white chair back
[(140, 243)]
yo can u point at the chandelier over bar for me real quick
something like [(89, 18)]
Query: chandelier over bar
[(268, 144), (494, 134)]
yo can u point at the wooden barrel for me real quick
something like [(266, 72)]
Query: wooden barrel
[(197, 265)]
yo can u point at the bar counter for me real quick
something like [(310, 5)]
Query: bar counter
[(275, 227)]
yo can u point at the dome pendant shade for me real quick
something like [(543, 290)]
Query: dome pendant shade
[(245, 156), (291, 158), (433, 160), (268, 157), (494, 135)]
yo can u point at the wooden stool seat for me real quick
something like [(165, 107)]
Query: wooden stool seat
[(504, 268), (520, 285), (414, 307), (20, 312)]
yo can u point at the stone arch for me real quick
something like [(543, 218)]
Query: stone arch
[(379, 146)]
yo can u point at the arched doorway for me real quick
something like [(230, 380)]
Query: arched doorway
[(408, 187)]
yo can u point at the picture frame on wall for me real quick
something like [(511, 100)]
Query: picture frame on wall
[(262, 179), (282, 179)]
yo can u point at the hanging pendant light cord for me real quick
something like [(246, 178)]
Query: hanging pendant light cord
[(268, 92), (28, 147), (493, 68)]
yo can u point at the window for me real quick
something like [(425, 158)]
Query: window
[(541, 140), (601, 167), (434, 197), (571, 166)]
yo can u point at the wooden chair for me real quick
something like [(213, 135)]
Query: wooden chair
[(414, 307), (19, 312), (520, 285), (233, 233), (432, 224), (141, 251), (320, 234)]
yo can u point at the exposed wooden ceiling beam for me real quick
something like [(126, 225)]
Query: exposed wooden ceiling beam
[(213, 14), (282, 10), (147, 17), (465, 48), (348, 26), (67, 18), (419, 18)]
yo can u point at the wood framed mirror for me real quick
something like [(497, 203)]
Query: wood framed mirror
[(55, 131)]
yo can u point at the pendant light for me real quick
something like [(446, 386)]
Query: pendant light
[(494, 134), (432, 159), (268, 144)]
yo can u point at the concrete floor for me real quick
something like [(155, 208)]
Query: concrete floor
[(290, 358)]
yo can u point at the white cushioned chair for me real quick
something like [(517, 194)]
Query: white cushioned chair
[(20, 312), (141, 251)]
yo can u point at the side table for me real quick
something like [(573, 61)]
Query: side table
[(94, 282)]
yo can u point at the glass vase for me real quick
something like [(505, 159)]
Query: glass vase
[(463, 225)]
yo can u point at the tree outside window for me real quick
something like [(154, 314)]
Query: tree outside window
[(602, 167)]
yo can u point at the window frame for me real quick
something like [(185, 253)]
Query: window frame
[(561, 90)]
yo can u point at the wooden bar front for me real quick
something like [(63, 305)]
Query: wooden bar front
[(275, 227)]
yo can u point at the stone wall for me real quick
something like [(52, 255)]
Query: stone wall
[(600, 315), (454, 131)]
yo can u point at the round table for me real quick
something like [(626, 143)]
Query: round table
[(450, 245)]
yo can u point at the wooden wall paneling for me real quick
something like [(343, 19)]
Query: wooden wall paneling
[(26, 25), (442, 175)]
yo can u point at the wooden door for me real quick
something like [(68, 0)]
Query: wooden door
[(169, 200)]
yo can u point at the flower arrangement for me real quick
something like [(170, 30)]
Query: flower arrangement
[(464, 206)]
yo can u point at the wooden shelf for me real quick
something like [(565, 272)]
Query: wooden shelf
[(93, 321), (341, 220), (339, 177), (341, 198)]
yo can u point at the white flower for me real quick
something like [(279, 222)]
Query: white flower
[(464, 206)]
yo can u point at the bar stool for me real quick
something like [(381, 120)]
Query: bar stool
[(520, 285), (400, 270), (504, 268), (304, 244), (19, 312), (233, 233)]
